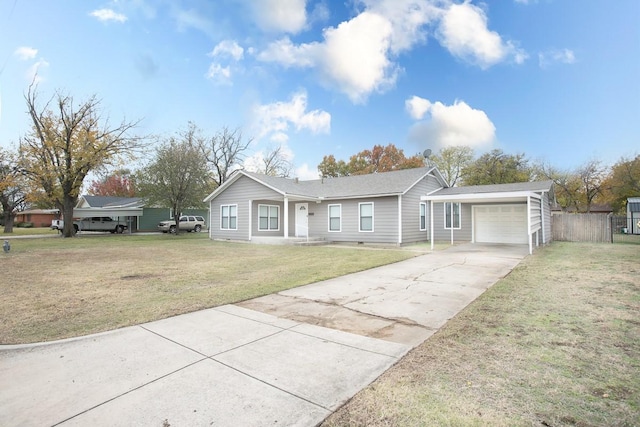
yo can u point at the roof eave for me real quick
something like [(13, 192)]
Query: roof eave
[(478, 197)]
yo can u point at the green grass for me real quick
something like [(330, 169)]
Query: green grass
[(57, 288), (555, 343)]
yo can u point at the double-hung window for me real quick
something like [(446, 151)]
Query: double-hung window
[(451, 215), (335, 217), (423, 216), (229, 217), (366, 216), (268, 217)]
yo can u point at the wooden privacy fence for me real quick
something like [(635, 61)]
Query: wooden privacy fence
[(585, 227)]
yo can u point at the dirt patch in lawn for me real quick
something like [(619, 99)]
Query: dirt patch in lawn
[(555, 343)]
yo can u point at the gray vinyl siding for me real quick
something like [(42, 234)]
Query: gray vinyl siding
[(411, 210), (459, 235), (240, 193), (385, 221)]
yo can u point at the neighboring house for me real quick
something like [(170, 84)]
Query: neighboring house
[(633, 215), (38, 217), (130, 210), (397, 207)]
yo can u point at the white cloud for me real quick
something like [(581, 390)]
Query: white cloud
[(287, 16), (563, 56), (285, 53), (228, 48), (451, 125), (219, 74), (352, 58), (304, 173), (106, 15), (408, 19), (274, 119), (417, 107), (25, 53), (34, 73), (463, 31)]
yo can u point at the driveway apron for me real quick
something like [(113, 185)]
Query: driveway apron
[(286, 359)]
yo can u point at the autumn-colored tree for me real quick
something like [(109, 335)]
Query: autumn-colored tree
[(66, 142), (496, 167), (13, 188), (622, 182), (331, 168), (566, 185), (120, 183), (378, 159), (178, 176), (450, 161)]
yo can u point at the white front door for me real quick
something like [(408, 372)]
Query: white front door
[(302, 220)]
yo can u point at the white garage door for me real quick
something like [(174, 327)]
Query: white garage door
[(500, 224)]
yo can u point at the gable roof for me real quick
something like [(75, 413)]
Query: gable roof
[(355, 186), (112, 202)]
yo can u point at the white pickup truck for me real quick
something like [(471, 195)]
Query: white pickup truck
[(96, 223)]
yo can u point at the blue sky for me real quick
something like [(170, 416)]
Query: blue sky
[(555, 79)]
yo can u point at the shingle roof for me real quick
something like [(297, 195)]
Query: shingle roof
[(496, 188), (111, 201), (376, 184)]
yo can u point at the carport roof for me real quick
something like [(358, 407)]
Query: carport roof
[(515, 192)]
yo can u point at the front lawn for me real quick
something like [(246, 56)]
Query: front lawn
[(555, 343), (56, 288)]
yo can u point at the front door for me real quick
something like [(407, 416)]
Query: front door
[(302, 220)]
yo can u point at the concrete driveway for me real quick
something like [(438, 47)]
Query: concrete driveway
[(287, 359)]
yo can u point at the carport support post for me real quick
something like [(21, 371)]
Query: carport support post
[(286, 217), (529, 225), (431, 223)]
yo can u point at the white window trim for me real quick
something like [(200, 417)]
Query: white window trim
[(420, 216), (444, 208), (229, 217), (329, 218), (269, 217), (360, 217)]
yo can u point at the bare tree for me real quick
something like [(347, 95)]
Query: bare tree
[(224, 152), (274, 163), (66, 142), (591, 176)]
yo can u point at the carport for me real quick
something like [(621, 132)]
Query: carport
[(111, 206), (128, 213), (503, 213)]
